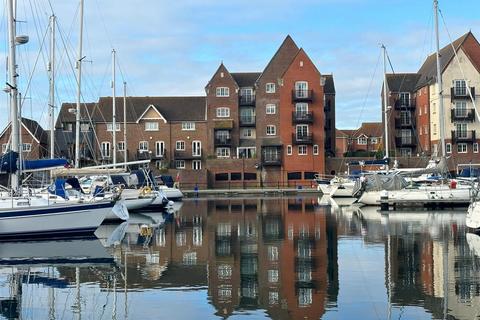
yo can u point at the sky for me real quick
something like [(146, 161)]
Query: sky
[(167, 48)]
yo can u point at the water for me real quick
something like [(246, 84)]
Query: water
[(280, 258)]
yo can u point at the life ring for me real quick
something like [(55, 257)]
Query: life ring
[(146, 190)]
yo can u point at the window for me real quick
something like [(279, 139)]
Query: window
[(121, 146), (105, 149), (448, 148), (196, 148), (302, 130), (270, 108), (315, 149), (460, 88), (196, 164), (420, 111), (272, 276), (223, 112), (223, 152), (302, 150), (362, 140), (272, 253), (159, 164), (188, 126), (247, 133), (460, 109), (222, 136), (406, 136), (373, 140), (180, 145), (26, 147), (151, 126), (68, 127), (143, 146), (271, 130), (246, 152), (405, 118), (289, 150), (462, 148), (180, 164), (425, 129), (405, 99), (85, 127), (301, 89), (110, 127), (246, 95), (304, 296), (270, 87), (434, 128), (223, 92), (273, 297), (301, 108), (159, 148), (475, 147), (4, 147), (461, 130), (224, 271)]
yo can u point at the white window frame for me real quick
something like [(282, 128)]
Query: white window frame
[(301, 89), (315, 149), (271, 130), (151, 126), (82, 127), (26, 147), (289, 150), (448, 148), (122, 144), (222, 152), (160, 148), (196, 150), (250, 136), (103, 149), (270, 108), (179, 164), (180, 145), (222, 92), (461, 150), (142, 145), (475, 147), (222, 112), (302, 150), (249, 150), (362, 140), (68, 126), (270, 87), (196, 164), (374, 140), (188, 126), (110, 127), (460, 85)]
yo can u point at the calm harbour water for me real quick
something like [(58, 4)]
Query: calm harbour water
[(280, 258)]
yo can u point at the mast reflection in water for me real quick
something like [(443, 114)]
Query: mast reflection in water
[(280, 258)]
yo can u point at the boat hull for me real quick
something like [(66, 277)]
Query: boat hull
[(53, 220)]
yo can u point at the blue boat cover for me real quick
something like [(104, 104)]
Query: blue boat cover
[(369, 162), (142, 178), (469, 173), (58, 188), (167, 180), (9, 163)]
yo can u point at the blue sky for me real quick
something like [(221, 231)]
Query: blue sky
[(172, 48)]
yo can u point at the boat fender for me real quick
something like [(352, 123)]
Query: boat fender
[(453, 184)]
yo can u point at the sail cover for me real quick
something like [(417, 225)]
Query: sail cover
[(9, 163)]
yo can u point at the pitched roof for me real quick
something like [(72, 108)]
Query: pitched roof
[(402, 82), (370, 129), (281, 59), (246, 79), (428, 71), (329, 87), (172, 108), (34, 128)]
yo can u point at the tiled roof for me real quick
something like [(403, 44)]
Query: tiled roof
[(402, 82), (370, 129), (245, 79), (34, 127)]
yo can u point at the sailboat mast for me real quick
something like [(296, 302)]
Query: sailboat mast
[(114, 116), (79, 90), (385, 100), (125, 154), (52, 87), (12, 68), (439, 82)]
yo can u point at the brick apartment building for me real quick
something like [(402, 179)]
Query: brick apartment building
[(366, 140), (415, 107), (266, 128), (33, 138)]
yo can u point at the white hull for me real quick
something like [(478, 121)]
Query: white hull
[(337, 189), (171, 193), (133, 200), (53, 219), (327, 189), (473, 215)]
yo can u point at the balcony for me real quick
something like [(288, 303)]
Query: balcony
[(302, 117), (463, 136), (246, 100), (143, 155), (405, 104), (247, 121), (461, 94), (405, 142), (404, 123), (302, 95), (271, 159), (302, 138), (223, 142), (186, 155), (462, 115)]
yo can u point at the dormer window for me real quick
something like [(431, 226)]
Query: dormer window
[(270, 87), (362, 140), (110, 127), (151, 126), (223, 92), (68, 126)]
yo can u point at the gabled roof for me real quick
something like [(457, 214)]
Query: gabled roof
[(155, 110), (221, 68), (33, 128), (281, 59), (329, 87), (368, 129), (245, 79), (402, 82), (171, 108), (428, 71)]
